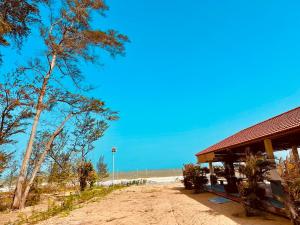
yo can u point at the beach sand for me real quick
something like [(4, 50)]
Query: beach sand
[(167, 204)]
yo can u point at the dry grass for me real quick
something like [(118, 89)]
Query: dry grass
[(67, 204)]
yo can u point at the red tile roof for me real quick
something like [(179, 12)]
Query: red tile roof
[(276, 125)]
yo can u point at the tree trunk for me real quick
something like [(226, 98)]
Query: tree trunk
[(39, 108), (41, 160)]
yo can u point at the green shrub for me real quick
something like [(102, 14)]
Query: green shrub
[(194, 177), (256, 169)]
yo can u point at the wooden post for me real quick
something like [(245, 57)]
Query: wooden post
[(295, 153), (211, 168), (269, 149)]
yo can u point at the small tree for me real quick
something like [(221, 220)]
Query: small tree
[(69, 39), (87, 174), (61, 165), (102, 168), (78, 106), (88, 130)]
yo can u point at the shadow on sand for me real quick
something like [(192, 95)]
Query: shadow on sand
[(232, 210)]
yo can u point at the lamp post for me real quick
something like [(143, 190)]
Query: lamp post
[(113, 150)]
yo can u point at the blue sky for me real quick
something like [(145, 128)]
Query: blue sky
[(194, 73)]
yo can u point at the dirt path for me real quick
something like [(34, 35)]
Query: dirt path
[(161, 205)]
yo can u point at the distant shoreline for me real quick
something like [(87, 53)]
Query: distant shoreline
[(135, 174)]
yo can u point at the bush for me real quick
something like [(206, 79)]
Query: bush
[(256, 169), (199, 183), (87, 174), (188, 172), (194, 177), (188, 184)]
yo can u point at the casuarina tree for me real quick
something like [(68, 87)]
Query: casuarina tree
[(88, 130), (69, 39), (102, 168)]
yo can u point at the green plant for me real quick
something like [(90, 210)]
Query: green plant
[(219, 171), (200, 179), (87, 174), (102, 168), (256, 169), (289, 170), (195, 177), (188, 172)]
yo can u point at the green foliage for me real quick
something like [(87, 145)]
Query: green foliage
[(102, 168), (3, 162), (15, 18), (15, 106), (60, 174), (219, 171), (195, 177), (69, 36), (14, 112), (188, 173), (87, 174), (289, 170), (256, 169)]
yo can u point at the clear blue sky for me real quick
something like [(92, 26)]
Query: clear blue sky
[(194, 73)]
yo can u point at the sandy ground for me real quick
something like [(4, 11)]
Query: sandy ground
[(161, 205)]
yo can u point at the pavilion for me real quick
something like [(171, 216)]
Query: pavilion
[(279, 133)]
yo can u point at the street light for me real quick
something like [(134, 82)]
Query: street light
[(113, 150)]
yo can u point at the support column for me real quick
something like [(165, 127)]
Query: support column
[(211, 168), (273, 174), (269, 149), (212, 177), (295, 153)]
